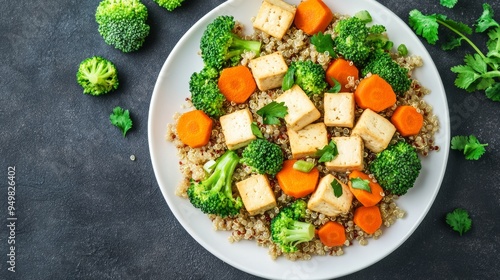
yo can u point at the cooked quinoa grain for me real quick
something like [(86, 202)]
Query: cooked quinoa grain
[(295, 46)]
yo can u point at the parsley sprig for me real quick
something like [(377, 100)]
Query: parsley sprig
[(273, 112), (121, 119), (480, 71), (459, 220), (470, 146), (328, 152)]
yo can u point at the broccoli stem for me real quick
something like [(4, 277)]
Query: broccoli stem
[(222, 176), (242, 44), (299, 232)]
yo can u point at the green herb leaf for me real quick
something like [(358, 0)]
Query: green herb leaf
[(448, 3), (358, 183), (323, 43), (336, 86), (459, 220), (272, 112), (328, 152), (493, 92), (485, 21), (256, 130), (470, 146), (121, 119), (337, 188), (288, 79), (303, 166), (424, 25)]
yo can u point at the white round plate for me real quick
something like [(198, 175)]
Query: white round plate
[(170, 92)]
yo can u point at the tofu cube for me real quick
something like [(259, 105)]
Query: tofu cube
[(375, 130), (268, 70), (301, 110), (339, 109), (256, 194), (350, 155), (324, 201), (306, 141), (274, 17), (237, 128)]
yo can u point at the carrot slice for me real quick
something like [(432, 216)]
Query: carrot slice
[(312, 16), (237, 83), (340, 70), (332, 234), (407, 120), (297, 183), (366, 198), (369, 219), (194, 128), (374, 93)]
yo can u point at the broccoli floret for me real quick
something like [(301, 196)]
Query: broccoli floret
[(205, 93), (97, 75), (397, 167), (309, 76), (221, 47), (214, 194), (382, 64), (263, 156), (170, 5), (286, 229), (122, 23), (355, 40)]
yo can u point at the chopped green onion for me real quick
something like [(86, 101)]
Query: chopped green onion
[(303, 166), (209, 166)]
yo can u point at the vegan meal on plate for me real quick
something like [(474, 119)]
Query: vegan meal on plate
[(302, 135)]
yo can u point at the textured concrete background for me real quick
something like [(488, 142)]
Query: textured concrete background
[(86, 211)]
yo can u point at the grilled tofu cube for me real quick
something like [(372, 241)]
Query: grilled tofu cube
[(375, 130), (306, 141), (339, 109), (256, 194), (268, 70), (324, 201), (350, 155), (301, 110), (237, 129), (274, 17)]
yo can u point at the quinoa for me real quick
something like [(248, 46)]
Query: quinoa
[(295, 46)]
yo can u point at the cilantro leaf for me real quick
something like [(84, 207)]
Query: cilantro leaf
[(323, 43), (256, 130), (459, 220), (288, 79), (448, 3), (358, 183), (121, 119), (272, 112), (470, 146), (337, 188), (336, 86), (485, 21), (493, 92), (424, 25), (328, 152)]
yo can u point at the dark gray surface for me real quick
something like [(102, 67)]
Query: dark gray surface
[(86, 211)]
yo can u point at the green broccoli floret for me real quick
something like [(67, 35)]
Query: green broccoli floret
[(205, 93), (214, 194), (263, 156), (309, 76), (170, 5), (397, 167), (221, 47), (382, 64), (355, 40), (122, 23), (286, 229), (97, 75)]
